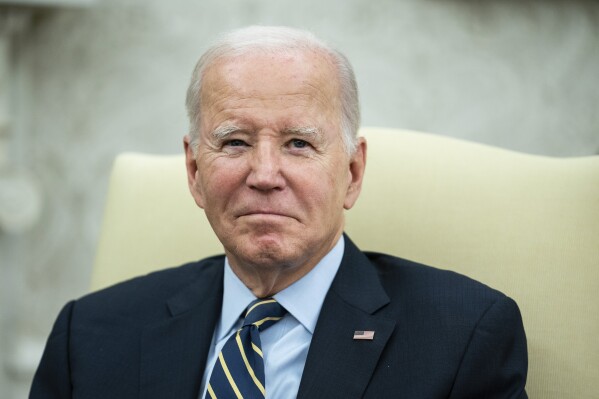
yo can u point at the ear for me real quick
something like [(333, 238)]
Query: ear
[(193, 173), (357, 166)]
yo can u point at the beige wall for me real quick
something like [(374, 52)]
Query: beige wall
[(88, 83)]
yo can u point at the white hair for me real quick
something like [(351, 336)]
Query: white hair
[(277, 40)]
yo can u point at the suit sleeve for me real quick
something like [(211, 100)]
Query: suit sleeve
[(495, 362), (52, 379)]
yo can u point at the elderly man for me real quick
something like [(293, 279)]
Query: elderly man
[(293, 308)]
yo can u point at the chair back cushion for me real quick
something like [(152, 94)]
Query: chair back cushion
[(524, 224)]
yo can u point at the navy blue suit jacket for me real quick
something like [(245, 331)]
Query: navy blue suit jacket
[(437, 335)]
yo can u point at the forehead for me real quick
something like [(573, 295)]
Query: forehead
[(297, 79)]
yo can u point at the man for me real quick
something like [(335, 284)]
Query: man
[(273, 159)]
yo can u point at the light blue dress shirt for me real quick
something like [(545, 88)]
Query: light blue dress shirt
[(285, 344)]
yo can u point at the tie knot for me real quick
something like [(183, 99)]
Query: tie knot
[(263, 313)]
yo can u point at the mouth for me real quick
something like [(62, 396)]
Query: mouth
[(264, 213)]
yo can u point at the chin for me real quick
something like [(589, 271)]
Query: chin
[(266, 251)]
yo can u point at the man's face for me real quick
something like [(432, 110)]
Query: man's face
[(271, 171)]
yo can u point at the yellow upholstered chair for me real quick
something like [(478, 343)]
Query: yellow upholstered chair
[(526, 225)]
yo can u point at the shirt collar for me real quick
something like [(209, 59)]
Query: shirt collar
[(302, 299)]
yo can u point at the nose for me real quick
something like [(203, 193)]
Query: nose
[(265, 168)]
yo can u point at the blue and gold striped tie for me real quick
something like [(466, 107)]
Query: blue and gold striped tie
[(239, 369)]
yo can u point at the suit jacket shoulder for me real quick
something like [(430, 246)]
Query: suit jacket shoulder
[(147, 337), (144, 298), (437, 334), (441, 294)]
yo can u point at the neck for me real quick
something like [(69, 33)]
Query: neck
[(266, 279)]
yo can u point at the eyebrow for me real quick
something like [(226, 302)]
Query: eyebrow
[(223, 132), (306, 131)]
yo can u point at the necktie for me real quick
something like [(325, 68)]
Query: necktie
[(239, 368)]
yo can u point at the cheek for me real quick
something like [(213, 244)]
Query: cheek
[(324, 191), (219, 182), (337, 179), (198, 191)]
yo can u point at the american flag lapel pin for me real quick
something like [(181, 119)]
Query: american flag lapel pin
[(364, 335)]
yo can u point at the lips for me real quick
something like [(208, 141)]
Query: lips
[(263, 212)]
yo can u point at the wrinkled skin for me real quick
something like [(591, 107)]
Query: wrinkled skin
[(270, 169)]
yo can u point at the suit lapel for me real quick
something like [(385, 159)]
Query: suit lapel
[(337, 365), (174, 350)]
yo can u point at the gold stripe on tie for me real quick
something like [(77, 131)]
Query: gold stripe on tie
[(258, 304), (257, 350), (229, 377), (247, 364), (211, 392), (264, 320)]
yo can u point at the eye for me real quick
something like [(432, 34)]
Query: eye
[(235, 143), (297, 143)]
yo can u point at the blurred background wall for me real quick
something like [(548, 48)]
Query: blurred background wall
[(81, 83)]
